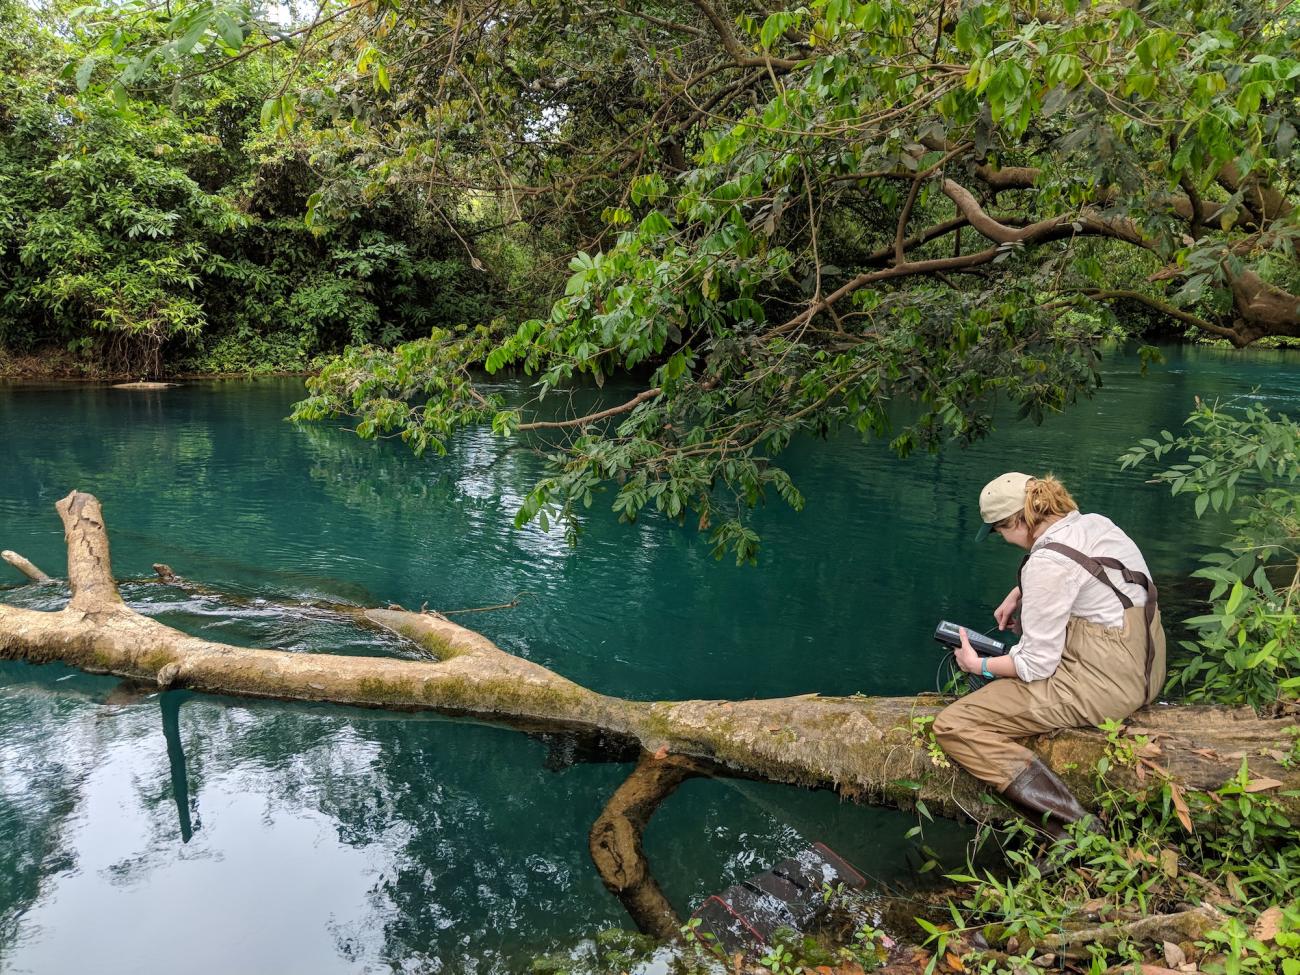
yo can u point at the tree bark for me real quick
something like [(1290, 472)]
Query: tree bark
[(870, 749)]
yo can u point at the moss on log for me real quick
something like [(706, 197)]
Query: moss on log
[(867, 748)]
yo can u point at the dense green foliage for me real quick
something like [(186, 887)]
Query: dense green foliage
[(812, 214), (163, 229), (776, 220), (1246, 462)]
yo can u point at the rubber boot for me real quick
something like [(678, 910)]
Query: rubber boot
[(1045, 801)]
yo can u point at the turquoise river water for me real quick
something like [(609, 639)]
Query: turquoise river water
[(225, 836)]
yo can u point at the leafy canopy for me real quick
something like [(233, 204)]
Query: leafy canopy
[(792, 221)]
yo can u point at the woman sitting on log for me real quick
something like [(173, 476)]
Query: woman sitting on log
[(1091, 645)]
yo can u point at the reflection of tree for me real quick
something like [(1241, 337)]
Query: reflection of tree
[(170, 704), (48, 749), (481, 849), (477, 844)]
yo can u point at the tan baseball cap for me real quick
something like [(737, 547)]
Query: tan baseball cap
[(1001, 498)]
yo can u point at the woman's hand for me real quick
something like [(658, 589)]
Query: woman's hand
[(1006, 612), (967, 659)]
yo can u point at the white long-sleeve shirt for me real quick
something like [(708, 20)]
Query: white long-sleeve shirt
[(1054, 588)]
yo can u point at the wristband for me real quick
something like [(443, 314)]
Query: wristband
[(984, 668)]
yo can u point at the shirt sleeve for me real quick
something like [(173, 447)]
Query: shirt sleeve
[(1047, 594)]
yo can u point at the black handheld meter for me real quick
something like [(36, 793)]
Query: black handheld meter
[(949, 634)]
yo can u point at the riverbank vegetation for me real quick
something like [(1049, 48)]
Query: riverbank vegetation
[(161, 230)]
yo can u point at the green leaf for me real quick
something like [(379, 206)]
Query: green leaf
[(194, 34), (270, 109), (231, 34), (84, 70)]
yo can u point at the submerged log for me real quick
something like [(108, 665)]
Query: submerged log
[(615, 840), (870, 749)]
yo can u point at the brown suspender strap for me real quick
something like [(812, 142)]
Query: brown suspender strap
[(1096, 567)]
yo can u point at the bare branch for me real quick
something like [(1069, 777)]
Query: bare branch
[(733, 46), (631, 404), (25, 567)]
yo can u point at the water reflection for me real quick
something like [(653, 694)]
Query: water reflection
[(170, 704), (342, 841)]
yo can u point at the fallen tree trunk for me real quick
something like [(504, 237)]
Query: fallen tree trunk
[(867, 748)]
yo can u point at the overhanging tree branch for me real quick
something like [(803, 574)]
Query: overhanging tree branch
[(1164, 308)]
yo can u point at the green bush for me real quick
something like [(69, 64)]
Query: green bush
[(1244, 462)]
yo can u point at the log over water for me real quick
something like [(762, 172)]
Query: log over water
[(866, 748)]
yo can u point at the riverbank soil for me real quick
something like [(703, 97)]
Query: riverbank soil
[(52, 363)]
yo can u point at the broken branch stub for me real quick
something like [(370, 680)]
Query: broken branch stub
[(867, 748), (24, 566)]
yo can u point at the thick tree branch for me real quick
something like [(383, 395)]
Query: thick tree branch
[(1008, 177), (1264, 309), (1086, 223), (1165, 309), (90, 571), (1264, 201), (615, 840)]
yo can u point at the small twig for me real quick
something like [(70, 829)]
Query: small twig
[(477, 609), (635, 401)]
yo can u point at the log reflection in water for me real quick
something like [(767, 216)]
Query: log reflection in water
[(170, 703)]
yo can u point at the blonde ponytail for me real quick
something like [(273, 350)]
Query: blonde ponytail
[(1046, 497)]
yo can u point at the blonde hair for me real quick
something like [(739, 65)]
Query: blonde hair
[(1045, 497)]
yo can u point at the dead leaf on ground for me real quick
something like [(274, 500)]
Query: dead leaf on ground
[(1180, 806), (1260, 785), (1150, 750), (1169, 864), (953, 962), (1235, 889), (1267, 924), (1205, 752)]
